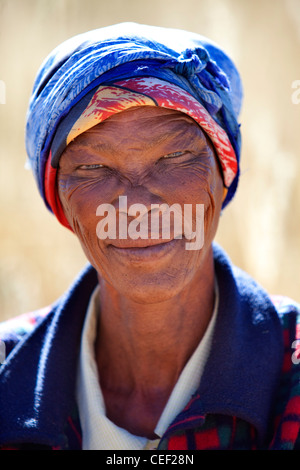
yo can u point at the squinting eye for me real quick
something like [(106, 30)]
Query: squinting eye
[(173, 155), (95, 166)]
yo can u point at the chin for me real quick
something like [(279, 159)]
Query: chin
[(153, 280), (151, 288)]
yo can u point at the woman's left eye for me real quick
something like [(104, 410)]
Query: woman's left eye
[(174, 155)]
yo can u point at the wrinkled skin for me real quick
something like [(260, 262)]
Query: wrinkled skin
[(149, 296), (145, 173)]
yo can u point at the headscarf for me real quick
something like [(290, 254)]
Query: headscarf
[(96, 74)]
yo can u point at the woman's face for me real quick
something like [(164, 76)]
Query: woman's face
[(151, 155)]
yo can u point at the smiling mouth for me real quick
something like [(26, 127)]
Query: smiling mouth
[(143, 250)]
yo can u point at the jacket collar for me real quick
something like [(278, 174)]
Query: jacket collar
[(242, 372), (239, 378)]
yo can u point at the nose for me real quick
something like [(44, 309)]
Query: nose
[(136, 203), (137, 195)]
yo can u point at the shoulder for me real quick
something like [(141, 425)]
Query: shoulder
[(15, 329), (287, 408), (288, 311), (19, 329), (285, 305)]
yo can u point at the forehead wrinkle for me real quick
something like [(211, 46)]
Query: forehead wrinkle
[(181, 131), (99, 146), (157, 137)]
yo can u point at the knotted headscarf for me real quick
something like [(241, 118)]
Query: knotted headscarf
[(96, 74)]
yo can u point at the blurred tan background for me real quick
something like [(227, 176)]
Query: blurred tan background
[(260, 230)]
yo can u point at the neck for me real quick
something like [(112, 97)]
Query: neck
[(141, 349), (146, 344)]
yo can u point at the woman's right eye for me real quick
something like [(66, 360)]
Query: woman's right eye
[(94, 166)]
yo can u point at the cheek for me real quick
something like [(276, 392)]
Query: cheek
[(80, 200), (201, 184), (215, 192), (77, 201)]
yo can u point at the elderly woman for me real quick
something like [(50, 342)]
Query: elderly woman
[(160, 343)]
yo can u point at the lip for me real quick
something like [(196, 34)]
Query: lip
[(143, 250)]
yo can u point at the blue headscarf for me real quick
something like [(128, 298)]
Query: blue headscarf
[(127, 50)]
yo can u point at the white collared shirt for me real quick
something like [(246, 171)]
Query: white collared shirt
[(98, 432)]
